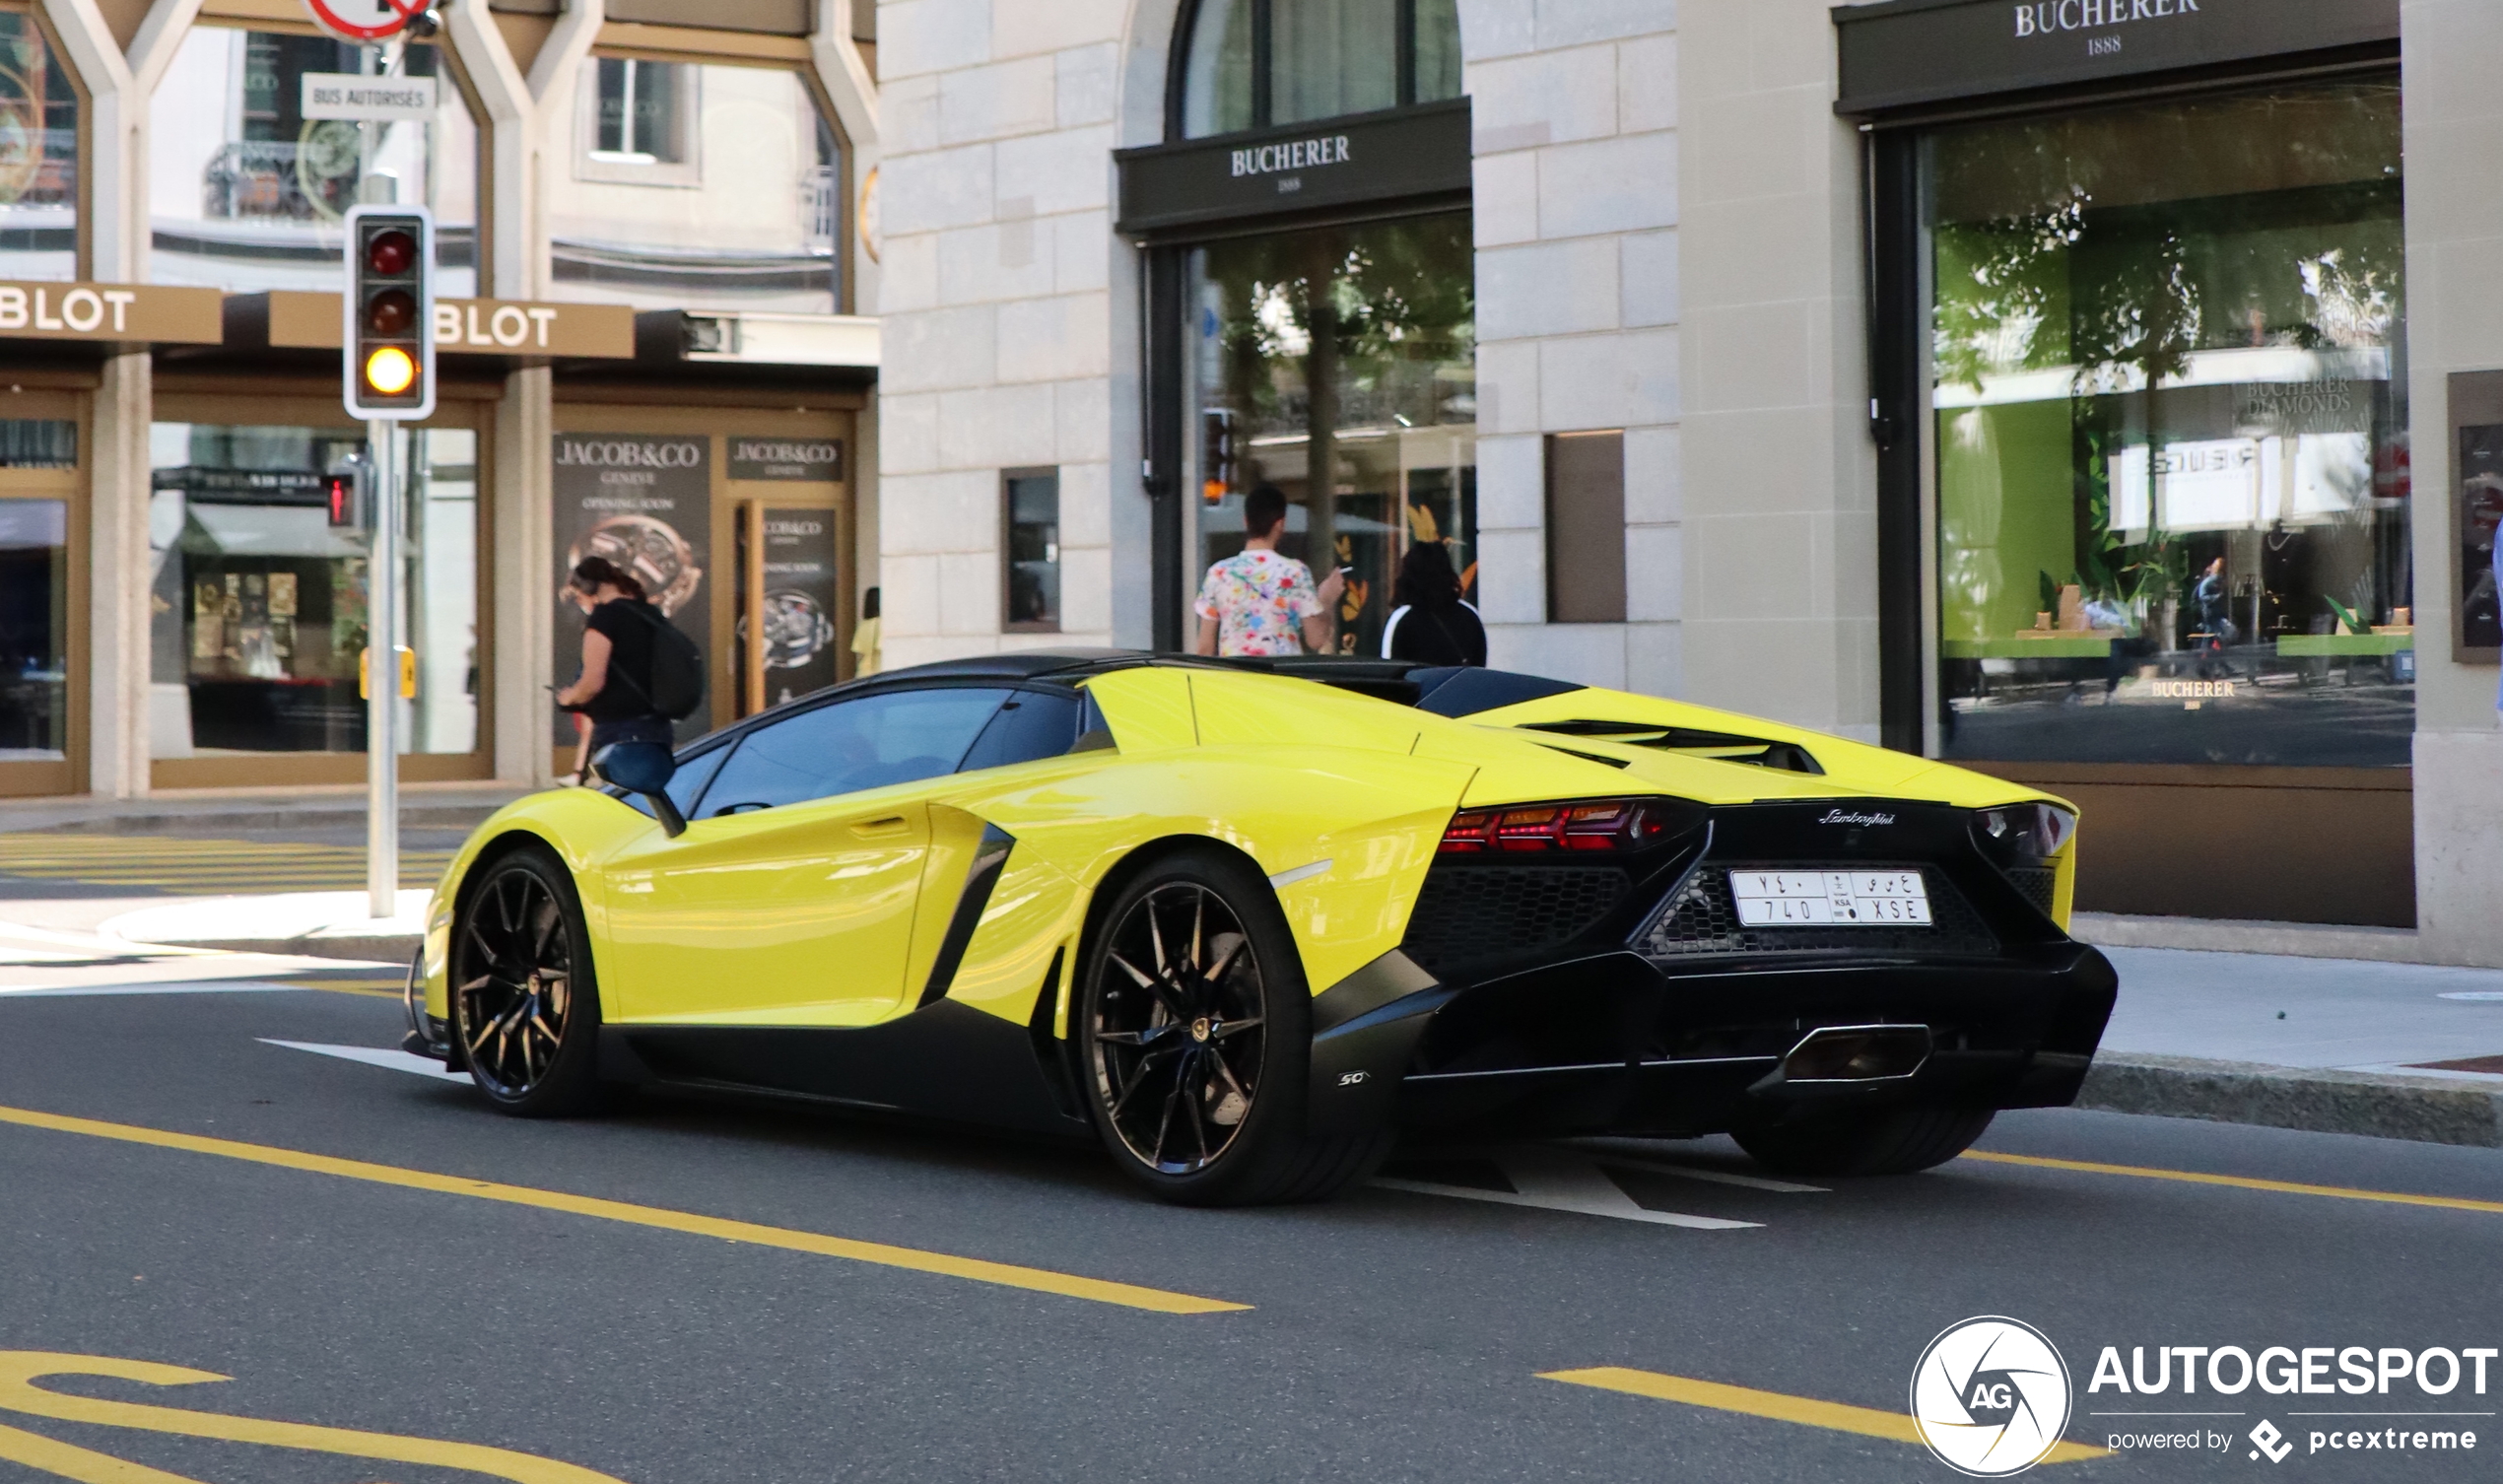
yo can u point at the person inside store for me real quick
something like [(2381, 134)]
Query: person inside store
[(1259, 601), (1432, 623), (614, 689)]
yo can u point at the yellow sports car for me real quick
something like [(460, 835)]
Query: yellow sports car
[(1246, 922)]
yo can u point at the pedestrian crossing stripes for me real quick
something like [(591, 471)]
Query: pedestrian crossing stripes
[(202, 867)]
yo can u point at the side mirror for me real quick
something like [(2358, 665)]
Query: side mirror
[(643, 768)]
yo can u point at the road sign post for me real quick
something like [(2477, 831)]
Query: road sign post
[(387, 378)]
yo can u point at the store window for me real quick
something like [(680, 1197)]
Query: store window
[(1338, 365), (2169, 387), (1032, 512), (260, 603), (246, 193), (38, 155), (698, 186), (34, 631), (1257, 63)]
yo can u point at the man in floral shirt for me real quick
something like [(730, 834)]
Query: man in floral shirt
[(1263, 603)]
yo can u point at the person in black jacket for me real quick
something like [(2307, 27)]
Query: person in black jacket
[(1432, 625), (614, 689)]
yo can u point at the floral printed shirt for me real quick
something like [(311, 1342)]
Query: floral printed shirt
[(1259, 600)]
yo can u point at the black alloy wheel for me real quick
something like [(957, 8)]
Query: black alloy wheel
[(1195, 1032), (1178, 1030), (525, 1013)]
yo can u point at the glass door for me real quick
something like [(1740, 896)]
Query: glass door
[(42, 607)]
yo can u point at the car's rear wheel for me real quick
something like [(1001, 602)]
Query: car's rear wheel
[(525, 1009), (1194, 1031), (1898, 1142)]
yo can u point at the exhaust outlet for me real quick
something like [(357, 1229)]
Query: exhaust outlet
[(1857, 1053)]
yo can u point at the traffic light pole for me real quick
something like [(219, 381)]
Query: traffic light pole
[(382, 678)]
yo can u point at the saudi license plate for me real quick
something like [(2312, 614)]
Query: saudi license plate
[(1831, 898)]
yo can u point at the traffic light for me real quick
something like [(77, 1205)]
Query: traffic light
[(1217, 454), (391, 307), (345, 491)]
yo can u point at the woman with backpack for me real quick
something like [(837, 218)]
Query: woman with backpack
[(1432, 625), (621, 631)]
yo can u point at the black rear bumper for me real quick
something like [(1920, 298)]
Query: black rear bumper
[(1615, 1042)]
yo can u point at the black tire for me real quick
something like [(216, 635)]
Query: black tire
[(525, 1007), (1895, 1142), (1197, 1082)]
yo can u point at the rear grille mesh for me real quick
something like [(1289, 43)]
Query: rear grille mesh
[(1703, 919), (1466, 913), (2037, 883)]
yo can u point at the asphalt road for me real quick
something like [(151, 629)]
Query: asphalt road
[(177, 1192)]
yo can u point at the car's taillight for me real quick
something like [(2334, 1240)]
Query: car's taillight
[(1579, 825)]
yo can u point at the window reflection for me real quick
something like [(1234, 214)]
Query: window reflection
[(247, 195), (2171, 434), (698, 186), (1255, 63), (1338, 365), (38, 155)]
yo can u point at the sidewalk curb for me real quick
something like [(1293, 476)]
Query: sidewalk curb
[(389, 948), (2424, 1110)]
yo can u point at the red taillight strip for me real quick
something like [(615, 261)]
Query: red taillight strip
[(1577, 825)]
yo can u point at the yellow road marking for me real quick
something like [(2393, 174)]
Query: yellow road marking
[(38, 1451), (343, 989), (976, 1270), (1895, 1427), (2241, 1182), (20, 1369)]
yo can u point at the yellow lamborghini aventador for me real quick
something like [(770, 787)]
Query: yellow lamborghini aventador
[(1246, 922)]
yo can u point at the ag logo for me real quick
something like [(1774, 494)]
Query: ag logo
[(1990, 1397)]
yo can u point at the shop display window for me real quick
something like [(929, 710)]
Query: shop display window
[(38, 155), (260, 603), (35, 586), (244, 194), (698, 186), (1257, 63), (2169, 387), (1338, 365)]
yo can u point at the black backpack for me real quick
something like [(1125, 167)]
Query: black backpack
[(677, 668)]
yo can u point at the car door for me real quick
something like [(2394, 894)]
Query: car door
[(789, 899)]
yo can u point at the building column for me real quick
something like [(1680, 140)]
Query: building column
[(521, 521), (118, 585)]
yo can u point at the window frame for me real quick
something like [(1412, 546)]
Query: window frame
[(1008, 479), (609, 168)]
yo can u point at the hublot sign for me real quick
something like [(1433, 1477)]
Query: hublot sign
[(1903, 53)]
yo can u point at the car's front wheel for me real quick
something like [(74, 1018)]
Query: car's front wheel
[(1194, 1031), (1896, 1142), (526, 1010)]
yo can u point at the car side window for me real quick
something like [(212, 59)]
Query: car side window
[(1031, 724), (686, 786), (895, 738)]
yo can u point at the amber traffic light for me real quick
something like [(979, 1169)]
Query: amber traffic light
[(390, 305)]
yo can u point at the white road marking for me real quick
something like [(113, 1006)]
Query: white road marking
[(1561, 1179), (394, 1061), (1285, 879)]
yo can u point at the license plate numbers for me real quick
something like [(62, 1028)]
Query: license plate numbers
[(1831, 898)]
